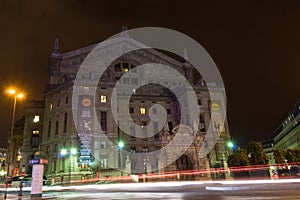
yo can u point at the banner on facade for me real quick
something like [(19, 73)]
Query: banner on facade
[(85, 124)]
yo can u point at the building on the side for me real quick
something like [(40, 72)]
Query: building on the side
[(3, 152), (34, 114), (268, 145), (97, 147), (14, 149), (3, 155), (287, 135)]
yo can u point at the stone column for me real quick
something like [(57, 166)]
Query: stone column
[(128, 166)]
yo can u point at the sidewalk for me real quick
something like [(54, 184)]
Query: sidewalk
[(26, 197)]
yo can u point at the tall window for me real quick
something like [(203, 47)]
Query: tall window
[(170, 126), (125, 67), (103, 120), (117, 67), (143, 110), (132, 150), (155, 127), (56, 127), (103, 144), (202, 123), (145, 150), (54, 165), (132, 129), (144, 129), (155, 130), (199, 102), (168, 111), (103, 98), (35, 138), (36, 118), (65, 122), (131, 110), (154, 111), (49, 128), (103, 161)]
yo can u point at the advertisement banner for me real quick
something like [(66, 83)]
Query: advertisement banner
[(85, 120)]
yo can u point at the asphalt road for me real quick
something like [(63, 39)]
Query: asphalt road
[(169, 191)]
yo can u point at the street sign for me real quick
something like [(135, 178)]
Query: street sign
[(34, 161), (43, 161), (38, 161)]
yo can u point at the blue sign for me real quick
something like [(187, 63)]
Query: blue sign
[(38, 161), (34, 161)]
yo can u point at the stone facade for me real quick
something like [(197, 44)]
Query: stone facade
[(59, 131), (2, 155), (34, 114), (15, 151)]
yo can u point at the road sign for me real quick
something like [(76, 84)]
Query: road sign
[(38, 161)]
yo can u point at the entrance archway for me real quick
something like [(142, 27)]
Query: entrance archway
[(184, 163)]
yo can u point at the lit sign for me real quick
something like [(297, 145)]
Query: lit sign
[(85, 125)]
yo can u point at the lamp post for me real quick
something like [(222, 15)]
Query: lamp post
[(16, 96), (72, 152), (121, 146)]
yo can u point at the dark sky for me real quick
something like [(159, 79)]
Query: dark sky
[(255, 44)]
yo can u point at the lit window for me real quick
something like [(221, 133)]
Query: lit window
[(50, 106), (125, 67), (36, 118), (103, 99), (35, 132), (143, 111)]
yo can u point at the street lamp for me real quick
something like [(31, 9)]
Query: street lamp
[(230, 144), (16, 96), (121, 146), (72, 152)]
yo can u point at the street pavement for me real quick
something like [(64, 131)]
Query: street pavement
[(174, 191)]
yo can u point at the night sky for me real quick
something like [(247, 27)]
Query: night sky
[(255, 44)]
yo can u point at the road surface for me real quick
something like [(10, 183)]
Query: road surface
[(174, 190)]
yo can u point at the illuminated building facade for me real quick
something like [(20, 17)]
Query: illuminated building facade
[(33, 127), (100, 158), (287, 135), (15, 152)]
